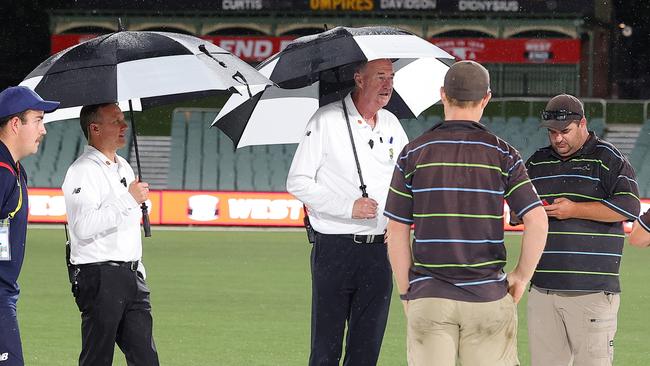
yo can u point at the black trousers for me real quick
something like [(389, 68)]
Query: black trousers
[(115, 308), (351, 283)]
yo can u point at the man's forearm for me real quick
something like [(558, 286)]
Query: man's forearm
[(399, 253), (86, 220), (639, 237), (318, 197), (533, 242), (596, 211)]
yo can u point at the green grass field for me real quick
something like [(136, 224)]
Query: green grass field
[(243, 298)]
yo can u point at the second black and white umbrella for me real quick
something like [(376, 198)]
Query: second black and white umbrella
[(316, 70)]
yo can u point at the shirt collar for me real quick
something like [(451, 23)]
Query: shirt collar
[(458, 124), (355, 117), (99, 156), (587, 148), (5, 155)]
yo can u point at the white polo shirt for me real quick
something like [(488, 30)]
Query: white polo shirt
[(103, 217), (323, 173)]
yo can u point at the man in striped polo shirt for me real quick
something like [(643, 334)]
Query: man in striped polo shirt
[(589, 189), (640, 236), (450, 183)]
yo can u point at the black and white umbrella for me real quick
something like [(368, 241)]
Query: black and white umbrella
[(147, 68), (316, 70), (141, 68)]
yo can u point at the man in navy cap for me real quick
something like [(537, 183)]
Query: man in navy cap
[(21, 131)]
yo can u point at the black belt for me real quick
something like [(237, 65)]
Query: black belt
[(133, 266), (360, 239)]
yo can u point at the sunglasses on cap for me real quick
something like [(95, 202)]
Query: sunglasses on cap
[(559, 115)]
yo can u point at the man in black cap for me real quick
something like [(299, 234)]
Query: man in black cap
[(450, 184), (588, 188), (21, 131)]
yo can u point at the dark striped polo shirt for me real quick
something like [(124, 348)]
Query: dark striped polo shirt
[(644, 221), (450, 183), (584, 255)]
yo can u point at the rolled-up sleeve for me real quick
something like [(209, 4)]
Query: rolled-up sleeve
[(644, 221), (623, 189), (520, 192)]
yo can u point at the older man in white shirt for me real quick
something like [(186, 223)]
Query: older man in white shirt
[(103, 198), (351, 276)]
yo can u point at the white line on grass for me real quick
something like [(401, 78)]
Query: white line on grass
[(214, 228), (190, 228)]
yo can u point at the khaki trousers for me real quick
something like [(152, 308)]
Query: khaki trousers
[(569, 328), (442, 331)]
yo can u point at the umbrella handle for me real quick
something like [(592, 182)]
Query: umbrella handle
[(146, 225)]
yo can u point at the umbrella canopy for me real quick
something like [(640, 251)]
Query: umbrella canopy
[(316, 70), (141, 67), (138, 66)]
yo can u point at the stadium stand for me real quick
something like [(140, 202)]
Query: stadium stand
[(640, 155), (203, 158), (58, 150)]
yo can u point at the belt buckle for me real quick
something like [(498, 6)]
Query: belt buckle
[(367, 240)]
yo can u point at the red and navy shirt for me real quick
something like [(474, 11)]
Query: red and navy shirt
[(9, 196)]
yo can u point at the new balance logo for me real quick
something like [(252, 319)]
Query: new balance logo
[(76, 190), (4, 356)]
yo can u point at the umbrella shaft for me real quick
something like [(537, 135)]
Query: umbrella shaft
[(362, 187), (135, 140)]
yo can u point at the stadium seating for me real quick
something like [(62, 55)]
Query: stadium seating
[(59, 149), (203, 158), (416, 127), (640, 155)]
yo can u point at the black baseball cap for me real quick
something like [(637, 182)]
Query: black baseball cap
[(561, 111), (17, 99), (467, 81)]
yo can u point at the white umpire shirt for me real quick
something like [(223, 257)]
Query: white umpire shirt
[(103, 217), (323, 173)]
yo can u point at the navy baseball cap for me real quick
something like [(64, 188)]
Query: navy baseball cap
[(17, 99)]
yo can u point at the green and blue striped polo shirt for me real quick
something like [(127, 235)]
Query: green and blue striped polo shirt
[(584, 255), (450, 183), (644, 221)]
